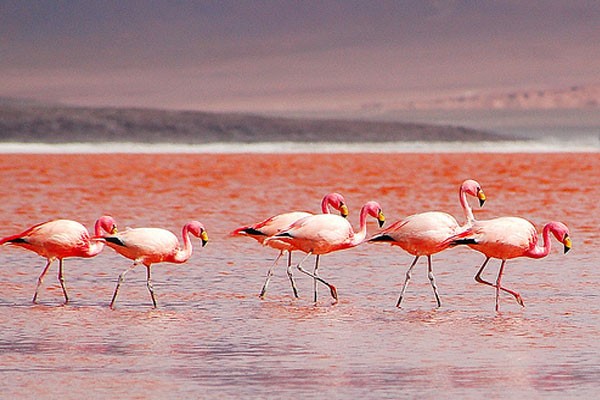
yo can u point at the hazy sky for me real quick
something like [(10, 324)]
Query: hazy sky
[(278, 55)]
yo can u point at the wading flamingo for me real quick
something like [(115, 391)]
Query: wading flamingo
[(153, 245), (510, 237), (269, 227), (424, 234), (60, 239), (326, 233)]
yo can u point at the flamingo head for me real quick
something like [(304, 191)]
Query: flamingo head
[(561, 233), (106, 224), (198, 230), (474, 189), (336, 201), (374, 210)]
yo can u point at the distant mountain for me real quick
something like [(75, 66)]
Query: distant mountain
[(24, 121), (574, 97)]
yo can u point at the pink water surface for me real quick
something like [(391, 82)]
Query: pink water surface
[(211, 335)]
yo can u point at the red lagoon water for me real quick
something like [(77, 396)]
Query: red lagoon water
[(212, 337)]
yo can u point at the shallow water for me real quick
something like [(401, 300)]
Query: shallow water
[(211, 335)]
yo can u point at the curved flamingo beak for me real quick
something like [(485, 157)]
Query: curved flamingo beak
[(114, 230), (344, 211), (567, 244), (481, 197), (380, 218)]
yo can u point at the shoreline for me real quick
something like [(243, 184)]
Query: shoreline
[(519, 146)]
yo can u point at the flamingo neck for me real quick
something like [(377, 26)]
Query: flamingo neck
[(360, 236), (96, 246), (470, 219), (325, 205), (184, 253), (98, 231), (542, 251)]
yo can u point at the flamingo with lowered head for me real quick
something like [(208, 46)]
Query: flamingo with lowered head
[(325, 233), (60, 239), (269, 227), (510, 237), (153, 245), (424, 234)]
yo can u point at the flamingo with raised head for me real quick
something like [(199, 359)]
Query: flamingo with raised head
[(269, 227), (326, 233), (60, 239), (149, 246), (424, 234), (510, 237)]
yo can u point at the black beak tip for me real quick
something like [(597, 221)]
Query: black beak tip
[(481, 202), (381, 223), (566, 250)]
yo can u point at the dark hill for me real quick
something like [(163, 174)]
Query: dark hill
[(32, 122)]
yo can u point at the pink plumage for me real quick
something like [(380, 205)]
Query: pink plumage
[(60, 239), (510, 237), (326, 233), (426, 233), (275, 224), (149, 246)]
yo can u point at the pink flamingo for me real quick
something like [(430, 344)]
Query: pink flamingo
[(326, 233), (269, 227), (510, 237), (60, 239), (424, 234), (153, 245)]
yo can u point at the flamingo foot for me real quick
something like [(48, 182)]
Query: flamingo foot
[(519, 300), (334, 293)]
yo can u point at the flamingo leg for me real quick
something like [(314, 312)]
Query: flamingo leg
[(263, 291), (331, 287), (316, 272), (61, 279), (432, 280), (119, 282), (149, 285), (41, 279), (478, 278), (408, 272), (498, 284), (290, 275)]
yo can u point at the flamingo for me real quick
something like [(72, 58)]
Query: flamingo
[(510, 237), (153, 245), (269, 227), (325, 233), (60, 239), (424, 234)]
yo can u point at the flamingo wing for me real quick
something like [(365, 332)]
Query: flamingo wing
[(503, 238), (270, 226), (280, 222), (147, 245), (59, 238), (318, 234), (420, 234)]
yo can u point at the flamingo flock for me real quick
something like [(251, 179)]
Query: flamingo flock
[(421, 235)]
